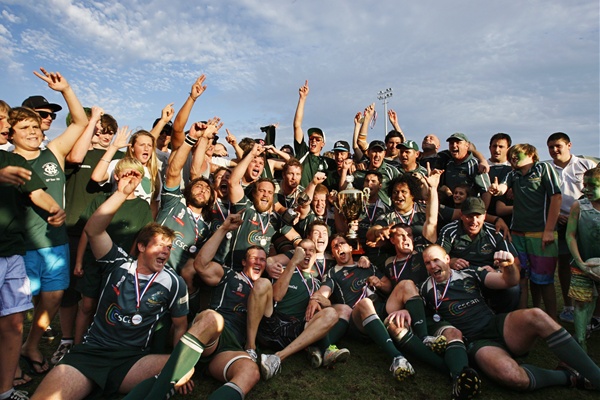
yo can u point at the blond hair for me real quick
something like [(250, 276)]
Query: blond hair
[(152, 164)]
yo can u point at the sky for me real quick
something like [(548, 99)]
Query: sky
[(527, 68)]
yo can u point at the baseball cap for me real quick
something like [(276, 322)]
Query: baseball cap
[(37, 102), (409, 144), (473, 205), (458, 136), (377, 143), (316, 131), (341, 145)]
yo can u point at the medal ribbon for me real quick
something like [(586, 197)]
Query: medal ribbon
[(401, 218), (139, 296), (310, 292), (320, 268), (373, 213), (263, 227), (248, 281), (221, 211), (435, 298), (397, 275), (196, 231)]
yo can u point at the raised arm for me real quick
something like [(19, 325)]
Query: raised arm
[(236, 192), (82, 145), (393, 117), (280, 287), (165, 116), (239, 153), (433, 205), (95, 229), (359, 147), (299, 116), (120, 140), (211, 272), (206, 136), (364, 128), (509, 277), (181, 119), (62, 145)]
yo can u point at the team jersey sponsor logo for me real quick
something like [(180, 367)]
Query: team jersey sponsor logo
[(114, 315), (255, 237), (50, 169), (180, 243), (358, 285), (458, 309)]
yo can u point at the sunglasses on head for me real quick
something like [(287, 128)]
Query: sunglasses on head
[(46, 114)]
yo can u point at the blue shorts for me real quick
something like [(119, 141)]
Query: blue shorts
[(48, 268), (15, 292)]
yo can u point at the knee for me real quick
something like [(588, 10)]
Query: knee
[(365, 307), (329, 315), (343, 311), (12, 324), (538, 318), (207, 320), (408, 288), (261, 286), (452, 333)]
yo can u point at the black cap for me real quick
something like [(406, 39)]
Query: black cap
[(37, 102), (341, 145), (377, 143)]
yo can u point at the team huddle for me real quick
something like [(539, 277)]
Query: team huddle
[(162, 255)]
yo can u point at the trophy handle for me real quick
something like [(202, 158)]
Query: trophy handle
[(366, 193)]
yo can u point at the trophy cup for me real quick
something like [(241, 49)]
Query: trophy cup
[(350, 203)]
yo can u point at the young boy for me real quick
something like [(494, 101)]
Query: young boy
[(583, 231), (537, 198)]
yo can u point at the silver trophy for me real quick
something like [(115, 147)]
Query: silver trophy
[(350, 203)]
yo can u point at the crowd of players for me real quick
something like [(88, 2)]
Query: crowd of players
[(138, 240)]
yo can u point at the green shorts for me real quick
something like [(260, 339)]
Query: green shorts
[(227, 342), (539, 263), (106, 367), (492, 335)]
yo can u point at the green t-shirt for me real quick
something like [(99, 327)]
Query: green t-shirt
[(312, 164), (588, 230), (81, 189), (411, 268), (40, 234), (13, 204), (349, 284)]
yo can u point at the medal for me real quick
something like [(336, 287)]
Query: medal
[(136, 319), (193, 249), (228, 235), (437, 318), (263, 229), (263, 242), (438, 303)]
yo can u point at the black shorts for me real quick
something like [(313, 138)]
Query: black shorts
[(492, 335), (104, 366), (279, 330)]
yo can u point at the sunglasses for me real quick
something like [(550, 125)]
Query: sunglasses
[(46, 114)]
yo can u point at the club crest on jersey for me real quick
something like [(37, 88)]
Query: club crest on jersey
[(50, 169)]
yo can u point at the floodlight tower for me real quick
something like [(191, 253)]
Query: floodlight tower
[(385, 95)]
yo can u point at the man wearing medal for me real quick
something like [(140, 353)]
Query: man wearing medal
[(259, 223), (350, 288), (277, 316), (471, 243), (114, 356), (493, 339)]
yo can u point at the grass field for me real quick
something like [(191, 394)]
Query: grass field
[(366, 376)]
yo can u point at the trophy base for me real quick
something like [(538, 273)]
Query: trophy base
[(353, 241)]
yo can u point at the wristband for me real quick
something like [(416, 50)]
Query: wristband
[(190, 140), (102, 159)]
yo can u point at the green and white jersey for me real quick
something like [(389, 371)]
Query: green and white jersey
[(467, 173), (302, 285), (462, 304), (311, 164), (81, 189), (230, 299), (40, 234), (531, 194), (415, 218), (588, 230), (191, 231), (13, 204), (256, 229), (478, 251), (219, 212), (411, 268), (291, 199), (116, 324), (328, 218), (349, 284)]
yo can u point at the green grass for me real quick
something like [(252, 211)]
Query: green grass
[(366, 376)]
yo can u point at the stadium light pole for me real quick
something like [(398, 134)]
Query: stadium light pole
[(385, 95)]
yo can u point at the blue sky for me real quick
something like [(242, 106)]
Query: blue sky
[(527, 68)]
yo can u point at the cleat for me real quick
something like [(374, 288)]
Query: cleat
[(316, 358), (437, 344), (270, 365), (333, 355), (62, 350), (576, 380), (18, 395), (401, 368), (466, 385), (252, 354)]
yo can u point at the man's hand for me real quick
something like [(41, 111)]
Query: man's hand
[(298, 256), (274, 269), (501, 227), (167, 113), (319, 177), (198, 87), (57, 217), (369, 112), (393, 117), (303, 91), (400, 319), (547, 238), (312, 308), (503, 259), (230, 138), (97, 113), (14, 175), (233, 221), (459, 263), (54, 80), (363, 262), (494, 188), (358, 119), (374, 282), (78, 270), (484, 167)]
